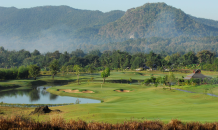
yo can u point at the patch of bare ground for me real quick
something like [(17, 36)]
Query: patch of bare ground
[(75, 91), (87, 91), (123, 91)]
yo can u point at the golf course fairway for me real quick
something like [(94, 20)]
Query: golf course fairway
[(122, 100), (141, 103)]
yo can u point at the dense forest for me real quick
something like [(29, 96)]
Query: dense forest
[(116, 60)]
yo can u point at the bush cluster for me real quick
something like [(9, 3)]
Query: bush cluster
[(14, 73)]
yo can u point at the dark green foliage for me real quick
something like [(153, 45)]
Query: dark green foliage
[(54, 67), (23, 72), (130, 80), (189, 58), (147, 81), (64, 58), (195, 81), (205, 56), (152, 80), (91, 63), (11, 73), (138, 62), (35, 53), (95, 53), (78, 53), (34, 71), (2, 74), (14, 73)]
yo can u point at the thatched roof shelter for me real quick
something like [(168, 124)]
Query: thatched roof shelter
[(195, 75)]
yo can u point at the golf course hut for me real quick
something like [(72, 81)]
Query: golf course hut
[(195, 75)]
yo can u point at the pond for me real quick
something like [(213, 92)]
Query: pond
[(39, 95)]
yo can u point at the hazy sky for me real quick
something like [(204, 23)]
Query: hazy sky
[(199, 8)]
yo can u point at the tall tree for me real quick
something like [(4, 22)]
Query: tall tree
[(63, 70), (205, 56), (54, 67), (105, 73), (138, 62), (35, 53), (34, 71), (171, 79), (190, 58), (77, 68)]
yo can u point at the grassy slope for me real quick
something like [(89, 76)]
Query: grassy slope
[(142, 103)]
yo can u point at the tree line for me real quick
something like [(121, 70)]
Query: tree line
[(20, 73), (116, 60)]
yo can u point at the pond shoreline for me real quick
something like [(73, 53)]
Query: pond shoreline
[(18, 95), (33, 105), (213, 95)]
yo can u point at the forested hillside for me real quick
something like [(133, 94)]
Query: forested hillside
[(22, 22), (153, 26), (51, 26), (158, 44), (155, 20), (206, 21)]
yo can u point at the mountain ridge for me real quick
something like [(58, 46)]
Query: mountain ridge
[(155, 20), (65, 28)]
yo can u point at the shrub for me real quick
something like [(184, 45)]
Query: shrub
[(23, 72)]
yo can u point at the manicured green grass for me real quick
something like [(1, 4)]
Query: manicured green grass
[(207, 88), (143, 102)]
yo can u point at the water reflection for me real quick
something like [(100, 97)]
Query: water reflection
[(38, 95), (52, 96), (34, 95)]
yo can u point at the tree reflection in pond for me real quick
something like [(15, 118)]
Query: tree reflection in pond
[(14, 93), (53, 97), (44, 92), (34, 95), (38, 95)]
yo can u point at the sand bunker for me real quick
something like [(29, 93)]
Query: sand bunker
[(123, 91), (75, 91)]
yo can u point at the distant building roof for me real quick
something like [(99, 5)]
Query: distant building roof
[(195, 75), (197, 71)]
